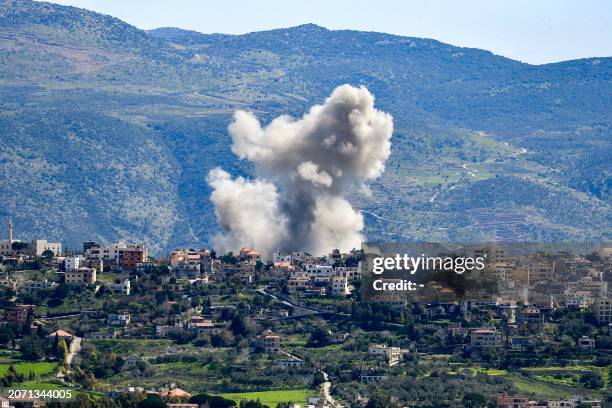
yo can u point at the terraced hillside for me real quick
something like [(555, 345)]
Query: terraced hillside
[(108, 131)]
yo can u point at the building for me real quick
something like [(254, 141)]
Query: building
[(33, 286), (73, 263), (515, 401), (340, 286), (60, 335), (486, 338), (603, 310), (249, 254), (271, 344), (19, 313), (586, 343), (121, 287), (82, 276), (118, 319), (574, 402), (6, 246), (391, 354), (39, 246), (129, 258)]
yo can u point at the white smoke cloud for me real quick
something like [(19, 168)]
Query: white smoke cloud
[(247, 211), (304, 167)]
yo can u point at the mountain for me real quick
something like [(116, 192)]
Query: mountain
[(108, 131)]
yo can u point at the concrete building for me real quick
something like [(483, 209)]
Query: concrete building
[(82, 276), (129, 258), (340, 286), (123, 287), (603, 310), (38, 246), (73, 263), (271, 344), (391, 354), (19, 313), (486, 338), (6, 247)]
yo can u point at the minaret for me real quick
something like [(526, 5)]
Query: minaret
[(10, 230)]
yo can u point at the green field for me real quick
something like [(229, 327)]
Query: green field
[(271, 398), (38, 368)]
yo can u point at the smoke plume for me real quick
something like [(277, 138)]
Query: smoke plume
[(303, 167)]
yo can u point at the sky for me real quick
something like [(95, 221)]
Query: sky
[(534, 31)]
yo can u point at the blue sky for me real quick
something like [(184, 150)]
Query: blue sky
[(534, 31)]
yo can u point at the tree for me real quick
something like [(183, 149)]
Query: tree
[(474, 400), (591, 379), (48, 254), (318, 379), (152, 401), (19, 246), (63, 351), (380, 400)]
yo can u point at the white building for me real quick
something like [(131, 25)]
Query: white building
[(391, 354), (73, 263), (121, 287)]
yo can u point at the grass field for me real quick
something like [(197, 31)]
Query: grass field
[(38, 368), (271, 398)]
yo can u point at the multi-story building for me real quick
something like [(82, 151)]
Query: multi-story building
[(340, 286), (33, 286), (603, 310), (129, 258), (73, 263), (118, 319), (82, 276), (39, 246), (19, 313), (120, 254), (574, 402), (391, 354), (486, 338), (122, 287), (271, 344), (515, 401)]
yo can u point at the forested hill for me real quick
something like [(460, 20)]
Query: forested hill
[(107, 131)]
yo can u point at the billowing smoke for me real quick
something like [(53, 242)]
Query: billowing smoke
[(303, 169)]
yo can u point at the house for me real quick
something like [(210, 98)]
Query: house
[(73, 263), (82, 276), (391, 354), (292, 362), (176, 394), (515, 401), (118, 319), (574, 402), (250, 254), (269, 342), (485, 338), (129, 258), (60, 335), (19, 313), (586, 343), (123, 287), (33, 286)]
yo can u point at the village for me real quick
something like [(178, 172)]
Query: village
[(197, 328)]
